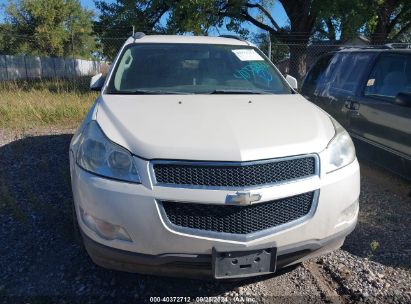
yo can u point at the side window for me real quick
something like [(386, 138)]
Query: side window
[(124, 65), (317, 75), (390, 76), (349, 71)]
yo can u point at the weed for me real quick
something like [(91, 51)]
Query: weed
[(25, 105), (374, 245)]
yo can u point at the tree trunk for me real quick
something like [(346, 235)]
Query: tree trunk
[(298, 60), (384, 13), (380, 34), (302, 15)]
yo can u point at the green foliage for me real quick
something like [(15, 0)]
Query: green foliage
[(374, 245), (279, 51), (47, 27), (200, 16), (391, 21), (196, 17), (342, 20), (116, 20), (63, 27), (5, 39)]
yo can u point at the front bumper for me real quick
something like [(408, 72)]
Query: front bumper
[(154, 244), (199, 265)]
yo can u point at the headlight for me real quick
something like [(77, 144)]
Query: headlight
[(340, 151), (97, 154)]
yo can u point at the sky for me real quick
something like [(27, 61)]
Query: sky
[(277, 11)]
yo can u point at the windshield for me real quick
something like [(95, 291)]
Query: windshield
[(194, 69)]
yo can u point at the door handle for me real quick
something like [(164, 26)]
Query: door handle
[(352, 105)]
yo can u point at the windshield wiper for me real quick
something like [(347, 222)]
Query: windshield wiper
[(150, 92), (228, 91)]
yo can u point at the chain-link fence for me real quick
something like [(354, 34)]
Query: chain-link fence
[(36, 89), (297, 58)]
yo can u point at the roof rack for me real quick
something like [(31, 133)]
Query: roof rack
[(233, 37), (362, 47), (398, 45), (138, 35), (388, 46)]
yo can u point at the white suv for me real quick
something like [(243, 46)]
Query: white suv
[(199, 159)]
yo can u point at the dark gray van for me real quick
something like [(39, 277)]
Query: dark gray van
[(369, 92)]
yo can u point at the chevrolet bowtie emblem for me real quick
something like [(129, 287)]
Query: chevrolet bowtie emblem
[(242, 198)]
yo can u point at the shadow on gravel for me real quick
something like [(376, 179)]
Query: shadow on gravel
[(383, 232), (38, 254)]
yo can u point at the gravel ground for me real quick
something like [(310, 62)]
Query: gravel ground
[(41, 262)]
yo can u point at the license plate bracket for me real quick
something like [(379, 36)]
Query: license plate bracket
[(244, 263)]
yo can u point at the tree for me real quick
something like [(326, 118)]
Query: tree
[(116, 20), (308, 19), (342, 20), (49, 27), (279, 51), (381, 20), (80, 27), (301, 13), (4, 38), (391, 22), (200, 15)]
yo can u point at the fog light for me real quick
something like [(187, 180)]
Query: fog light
[(348, 213), (104, 229)]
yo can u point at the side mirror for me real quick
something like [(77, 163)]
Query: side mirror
[(403, 99), (292, 82), (97, 82)]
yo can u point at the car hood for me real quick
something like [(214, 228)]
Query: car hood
[(214, 127)]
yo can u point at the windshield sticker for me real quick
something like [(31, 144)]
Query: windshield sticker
[(370, 82), (255, 69), (247, 55)]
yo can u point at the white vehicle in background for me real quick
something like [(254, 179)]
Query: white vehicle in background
[(199, 159)]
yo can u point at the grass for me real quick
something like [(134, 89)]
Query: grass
[(37, 103)]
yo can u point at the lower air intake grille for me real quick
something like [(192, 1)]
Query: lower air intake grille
[(239, 219)]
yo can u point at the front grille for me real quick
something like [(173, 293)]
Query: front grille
[(238, 219), (235, 174)]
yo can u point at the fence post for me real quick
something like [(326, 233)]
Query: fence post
[(25, 67), (269, 45), (41, 68), (54, 66), (5, 65), (65, 69)]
